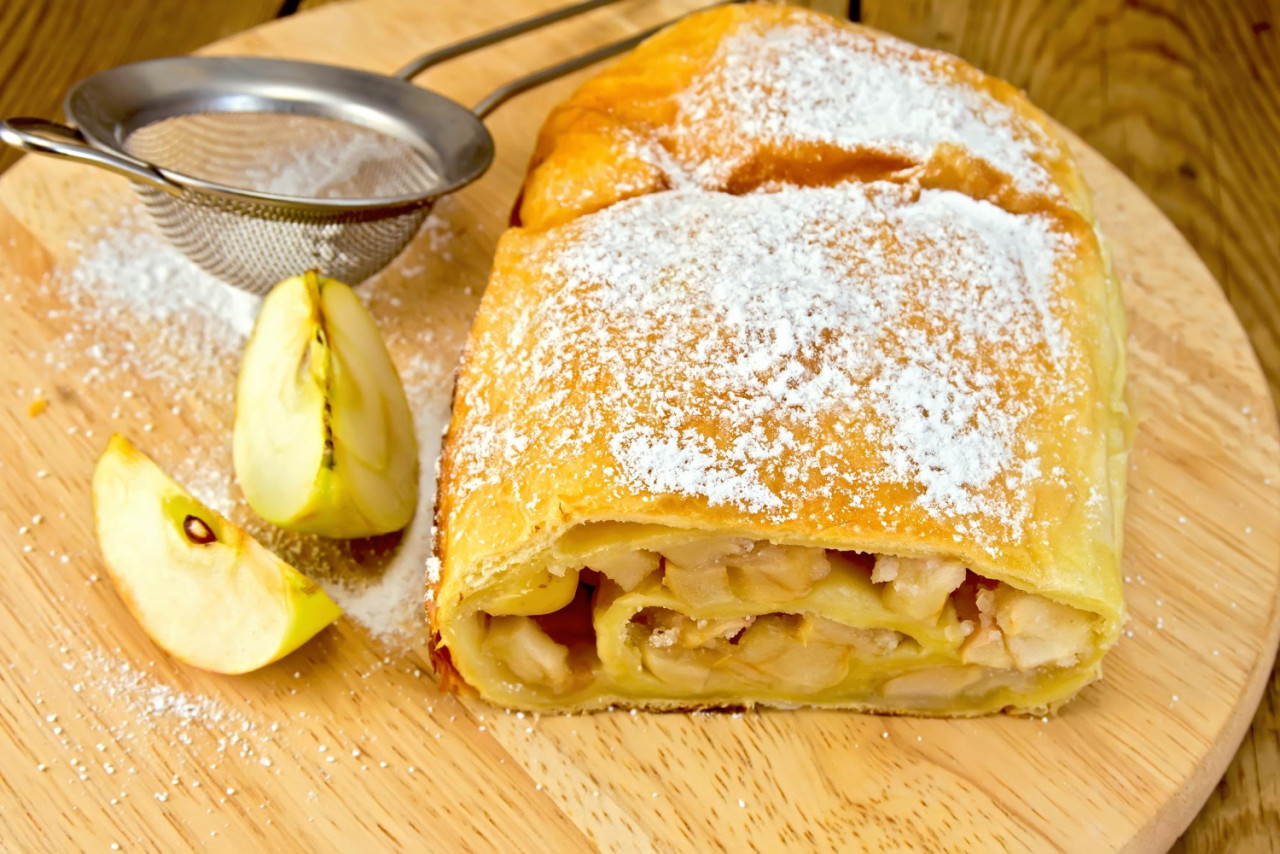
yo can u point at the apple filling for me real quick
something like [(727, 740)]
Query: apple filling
[(796, 653), (676, 616)]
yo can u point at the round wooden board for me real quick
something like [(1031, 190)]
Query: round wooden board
[(105, 740)]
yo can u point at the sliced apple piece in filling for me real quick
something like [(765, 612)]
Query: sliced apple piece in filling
[(917, 587), (932, 684), (865, 643), (698, 587), (670, 629), (716, 632), (772, 573), (700, 552), (528, 651), (549, 593), (324, 438), (202, 588), (627, 567), (985, 646), (1040, 631), (688, 670), (770, 653)]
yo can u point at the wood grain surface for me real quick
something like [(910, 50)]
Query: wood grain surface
[(1184, 97), (48, 45), (1125, 767)]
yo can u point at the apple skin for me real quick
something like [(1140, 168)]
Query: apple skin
[(204, 590), (324, 440)]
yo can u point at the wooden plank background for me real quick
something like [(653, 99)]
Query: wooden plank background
[(1183, 96)]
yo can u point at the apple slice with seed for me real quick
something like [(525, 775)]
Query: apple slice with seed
[(203, 589)]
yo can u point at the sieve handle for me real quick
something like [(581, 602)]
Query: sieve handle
[(44, 137), (509, 90), (435, 57), (506, 91)]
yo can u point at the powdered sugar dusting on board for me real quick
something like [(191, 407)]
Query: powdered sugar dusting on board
[(723, 336), (816, 82), (132, 305), (137, 268), (139, 317), (150, 698)]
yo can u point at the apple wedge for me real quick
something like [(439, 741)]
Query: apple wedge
[(324, 438), (204, 590)]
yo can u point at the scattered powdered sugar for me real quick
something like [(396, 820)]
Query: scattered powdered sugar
[(132, 307), (136, 268), (391, 607), (138, 315), (150, 699), (725, 339), (774, 84), (155, 709)]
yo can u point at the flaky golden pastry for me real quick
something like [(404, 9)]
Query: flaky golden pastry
[(788, 393), (745, 96)]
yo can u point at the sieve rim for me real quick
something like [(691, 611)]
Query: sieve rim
[(171, 87)]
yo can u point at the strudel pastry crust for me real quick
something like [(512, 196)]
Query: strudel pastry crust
[(749, 95), (788, 416)]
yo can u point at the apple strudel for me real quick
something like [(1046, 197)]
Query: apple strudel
[(854, 440)]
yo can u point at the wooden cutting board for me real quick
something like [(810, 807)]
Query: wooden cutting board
[(104, 740)]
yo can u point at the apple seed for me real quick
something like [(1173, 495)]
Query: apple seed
[(198, 531)]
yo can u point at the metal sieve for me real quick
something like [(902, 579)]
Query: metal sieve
[(212, 147)]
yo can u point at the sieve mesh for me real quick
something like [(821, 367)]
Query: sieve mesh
[(287, 154), (254, 244), (259, 169)]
